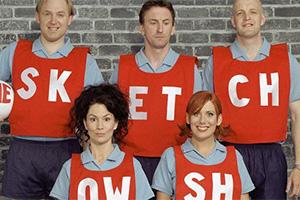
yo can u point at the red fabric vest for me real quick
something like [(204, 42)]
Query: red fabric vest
[(254, 95), (158, 130), (87, 184), (207, 181), (45, 112)]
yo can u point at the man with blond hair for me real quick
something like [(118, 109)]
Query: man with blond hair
[(257, 83), (47, 75)]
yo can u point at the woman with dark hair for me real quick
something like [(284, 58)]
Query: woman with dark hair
[(202, 168), (100, 115)]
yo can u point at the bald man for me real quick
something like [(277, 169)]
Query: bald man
[(257, 83)]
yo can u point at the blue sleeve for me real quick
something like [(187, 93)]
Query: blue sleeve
[(208, 75), (197, 80), (164, 178), (6, 60), (61, 187), (295, 80), (247, 185), (143, 189), (115, 75), (93, 75)]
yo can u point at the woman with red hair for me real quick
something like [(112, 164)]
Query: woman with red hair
[(202, 168)]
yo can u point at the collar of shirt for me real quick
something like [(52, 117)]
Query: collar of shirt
[(39, 49), (169, 61), (115, 156), (238, 52), (187, 147)]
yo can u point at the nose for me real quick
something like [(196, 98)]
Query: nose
[(100, 124), (202, 119), (247, 16), (160, 27), (53, 19)]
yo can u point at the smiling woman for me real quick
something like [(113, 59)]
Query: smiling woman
[(202, 157)]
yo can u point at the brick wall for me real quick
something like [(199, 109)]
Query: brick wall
[(109, 28)]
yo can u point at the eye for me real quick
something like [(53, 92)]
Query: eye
[(196, 114), (210, 114), (92, 119), (152, 22), (107, 119)]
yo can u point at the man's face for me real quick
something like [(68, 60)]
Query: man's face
[(247, 18), (157, 28), (54, 19)]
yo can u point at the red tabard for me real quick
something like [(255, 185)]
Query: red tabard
[(44, 91), (207, 181), (117, 183), (254, 95), (161, 99)]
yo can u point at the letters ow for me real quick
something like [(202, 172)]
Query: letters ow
[(110, 194)]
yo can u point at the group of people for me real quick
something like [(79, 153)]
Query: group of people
[(158, 129)]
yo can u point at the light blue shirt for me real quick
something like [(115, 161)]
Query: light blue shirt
[(264, 52), (61, 187), (167, 64), (164, 178), (92, 76)]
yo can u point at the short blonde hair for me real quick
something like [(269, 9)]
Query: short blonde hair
[(69, 3)]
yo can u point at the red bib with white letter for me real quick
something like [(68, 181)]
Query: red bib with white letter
[(157, 107), (45, 90), (220, 181), (117, 183), (254, 95)]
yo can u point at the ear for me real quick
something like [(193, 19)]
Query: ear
[(263, 20), (187, 118), (141, 27), (37, 17), (173, 30), (232, 22), (116, 124), (70, 20), (84, 123), (219, 120)]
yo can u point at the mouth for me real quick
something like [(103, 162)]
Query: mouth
[(202, 128), (53, 29), (248, 25)]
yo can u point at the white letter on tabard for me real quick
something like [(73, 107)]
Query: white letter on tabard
[(265, 89), (30, 83), (219, 189), (171, 92), (199, 190), (133, 91), (57, 85), (117, 195), (233, 93), (92, 184)]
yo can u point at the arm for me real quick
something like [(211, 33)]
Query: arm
[(115, 75), (208, 76), (162, 196), (294, 179), (93, 75), (198, 84), (245, 197)]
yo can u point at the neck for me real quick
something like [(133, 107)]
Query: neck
[(101, 152), (251, 46), (52, 47), (204, 147), (156, 56)]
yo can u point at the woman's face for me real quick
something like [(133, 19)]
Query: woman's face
[(204, 122), (100, 124)]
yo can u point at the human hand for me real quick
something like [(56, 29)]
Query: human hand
[(1, 120), (293, 180)]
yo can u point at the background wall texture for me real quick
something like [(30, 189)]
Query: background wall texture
[(110, 28)]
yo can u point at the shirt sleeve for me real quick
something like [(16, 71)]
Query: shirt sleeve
[(61, 187), (197, 80), (93, 75), (143, 189), (115, 75), (208, 75), (6, 60), (164, 179), (247, 185), (295, 81)]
